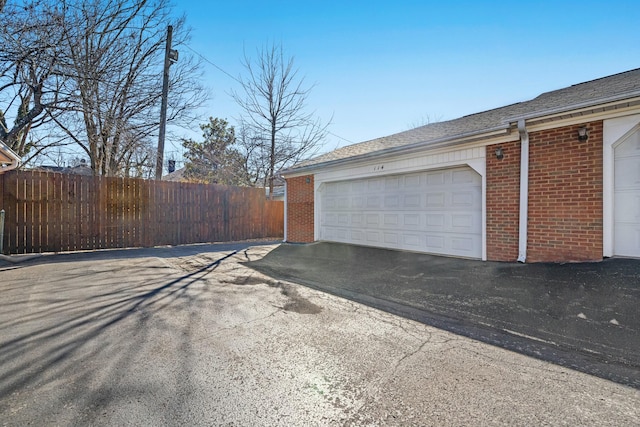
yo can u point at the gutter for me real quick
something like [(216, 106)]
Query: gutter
[(586, 104), (434, 143), (524, 191), (15, 163)]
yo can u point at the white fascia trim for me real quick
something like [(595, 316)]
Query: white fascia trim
[(615, 131), (441, 143), (524, 191), (578, 107)]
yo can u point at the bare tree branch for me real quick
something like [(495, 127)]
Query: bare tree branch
[(273, 98), (92, 69)]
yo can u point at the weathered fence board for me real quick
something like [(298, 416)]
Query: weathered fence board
[(53, 212)]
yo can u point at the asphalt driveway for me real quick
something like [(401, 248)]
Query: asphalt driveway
[(584, 315), (192, 336)]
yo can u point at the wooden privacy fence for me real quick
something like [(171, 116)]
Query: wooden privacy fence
[(53, 212)]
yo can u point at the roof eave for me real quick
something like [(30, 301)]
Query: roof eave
[(573, 107), (468, 137), (406, 149)]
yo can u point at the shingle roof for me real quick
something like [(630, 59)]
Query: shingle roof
[(594, 92)]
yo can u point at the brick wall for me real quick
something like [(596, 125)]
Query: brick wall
[(503, 202), (300, 209), (565, 195)]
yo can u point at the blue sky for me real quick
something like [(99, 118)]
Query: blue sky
[(384, 67)]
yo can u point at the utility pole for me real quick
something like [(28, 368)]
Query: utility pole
[(170, 56)]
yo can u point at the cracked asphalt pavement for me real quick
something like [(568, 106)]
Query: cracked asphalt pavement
[(191, 336)]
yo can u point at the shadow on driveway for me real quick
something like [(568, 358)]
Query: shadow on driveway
[(84, 331), (583, 316)]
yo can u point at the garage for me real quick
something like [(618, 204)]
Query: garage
[(437, 211), (627, 197)]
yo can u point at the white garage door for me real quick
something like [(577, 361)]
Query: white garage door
[(627, 197), (437, 212)]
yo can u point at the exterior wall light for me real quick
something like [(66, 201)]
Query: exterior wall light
[(583, 134), (499, 153)]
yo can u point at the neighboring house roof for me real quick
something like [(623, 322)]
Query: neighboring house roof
[(583, 95), (72, 170), (8, 159), (278, 192), (176, 176)]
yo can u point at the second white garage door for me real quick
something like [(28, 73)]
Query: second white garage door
[(627, 197), (436, 212)]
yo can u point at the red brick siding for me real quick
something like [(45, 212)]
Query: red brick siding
[(300, 209), (565, 195), (503, 202)]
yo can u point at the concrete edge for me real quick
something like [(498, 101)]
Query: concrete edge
[(14, 259)]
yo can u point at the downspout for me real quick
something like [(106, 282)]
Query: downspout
[(285, 211), (524, 190)]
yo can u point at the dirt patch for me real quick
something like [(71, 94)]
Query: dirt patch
[(297, 303), (251, 280)]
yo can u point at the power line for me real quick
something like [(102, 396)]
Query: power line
[(344, 139), (201, 56), (205, 59)]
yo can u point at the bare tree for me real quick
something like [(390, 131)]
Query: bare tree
[(30, 78), (116, 64), (424, 121), (273, 98), (105, 64)]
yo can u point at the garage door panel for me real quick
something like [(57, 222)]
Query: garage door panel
[(392, 202), (628, 207), (435, 243), (462, 244), (436, 178), (436, 211), (374, 185), (357, 202), (462, 222), (373, 202), (462, 177), (411, 200), (411, 220), (627, 237), (392, 183), (357, 220), (434, 221), (435, 200), (391, 239), (358, 236), (627, 173), (412, 181), (463, 198), (391, 220)]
